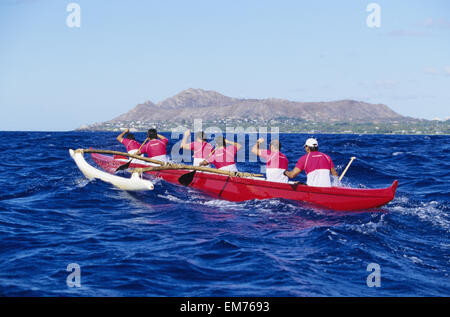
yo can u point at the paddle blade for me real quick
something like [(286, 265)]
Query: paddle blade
[(187, 178), (124, 166), (295, 185)]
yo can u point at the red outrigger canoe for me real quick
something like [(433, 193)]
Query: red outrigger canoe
[(241, 189)]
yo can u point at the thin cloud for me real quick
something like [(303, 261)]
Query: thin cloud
[(17, 2), (380, 84), (431, 71), (434, 23), (386, 84), (428, 22), (421, 28), (406, 33), (435, 71)]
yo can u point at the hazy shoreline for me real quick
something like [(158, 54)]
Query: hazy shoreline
[(315, 133)]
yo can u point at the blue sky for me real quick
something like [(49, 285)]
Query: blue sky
[(53, 77)]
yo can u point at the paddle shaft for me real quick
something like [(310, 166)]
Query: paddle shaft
[(348, 165), (210, 154), (145, 141), (187, 178), (127, 164), (196, 168)]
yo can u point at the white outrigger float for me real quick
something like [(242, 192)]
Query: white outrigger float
[(134, 183)]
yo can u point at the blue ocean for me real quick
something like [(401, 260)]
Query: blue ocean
[(175, 241)]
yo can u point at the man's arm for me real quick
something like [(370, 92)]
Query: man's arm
[(255, 148), (293, 173), (184, 144), (162, 137), (333, 172), (237, 145), (204, 163), (120, 136)]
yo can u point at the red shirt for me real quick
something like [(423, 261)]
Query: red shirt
[(314, 161), (155, 147), (275, 159), (131, 144), (223, 156), (201, 149)]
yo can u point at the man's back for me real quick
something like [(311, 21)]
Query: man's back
[(155, 148), (317, 166)]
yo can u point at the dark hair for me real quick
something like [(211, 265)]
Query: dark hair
[(130, 136), (200, 135), (313, 148), (220, 141), (276, 144), (152, 134)]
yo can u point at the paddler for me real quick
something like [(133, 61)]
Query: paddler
[(156, 147), (200, 148), (224, 155), (277, 163), (316, 165), (129, 141)]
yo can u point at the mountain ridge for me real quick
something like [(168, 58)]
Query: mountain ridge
[(210, 105)]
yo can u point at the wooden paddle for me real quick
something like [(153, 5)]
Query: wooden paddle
[(175, 166), (348, 165), (187, 178), (126, 165)]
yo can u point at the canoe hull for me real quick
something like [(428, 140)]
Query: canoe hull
[(241, 189)]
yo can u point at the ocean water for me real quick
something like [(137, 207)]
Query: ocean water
[(175, 241)]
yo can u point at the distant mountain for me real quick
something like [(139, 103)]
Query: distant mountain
[(210, 105)]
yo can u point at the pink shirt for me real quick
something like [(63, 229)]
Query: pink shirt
[(155, 147), (275, 159), (201, 149), (223, 156), (314, 161), (131, 144)]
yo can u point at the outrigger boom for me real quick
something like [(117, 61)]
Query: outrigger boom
[(168, 166)]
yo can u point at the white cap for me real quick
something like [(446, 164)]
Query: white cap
[(311, 142)]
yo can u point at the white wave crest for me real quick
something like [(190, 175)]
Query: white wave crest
[(425, 211), (81, 182)]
